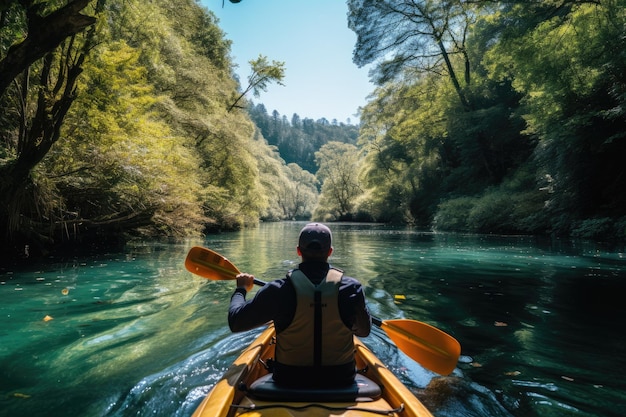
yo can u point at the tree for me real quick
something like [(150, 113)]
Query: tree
[(50, 60), (569, 68), (298, 141), (121, 167), (416, 35), (151, 148), (263, 73), (403, 137), (45, 31), (195, 90), (296, 122), (338, 173), (543, 133), (303, 193)]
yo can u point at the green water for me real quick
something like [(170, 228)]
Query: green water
[(134, 334)]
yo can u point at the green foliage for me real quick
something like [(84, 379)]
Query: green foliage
[(496, 211), (339, 164), (197, 91), (49, 44), (298, 140), (261, 75), (403, 134), (293, 193), (425, 36), (120, 161), (544, 100), (493, 212), (150, 148), (452, 215), (570, 70), (499, 117), (594, 228)]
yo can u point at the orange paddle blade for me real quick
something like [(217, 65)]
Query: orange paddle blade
[(210, 264), (427, 345)]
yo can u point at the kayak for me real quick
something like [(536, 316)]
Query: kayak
[(247, 389)]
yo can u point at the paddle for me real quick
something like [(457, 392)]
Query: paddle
[(425, 344)]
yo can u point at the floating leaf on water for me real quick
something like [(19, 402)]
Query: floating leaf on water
[(399, 297), (48, 318)]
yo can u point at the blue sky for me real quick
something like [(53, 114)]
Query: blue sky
[(312, 38)]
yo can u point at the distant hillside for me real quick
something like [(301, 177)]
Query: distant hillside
[(298, 139)]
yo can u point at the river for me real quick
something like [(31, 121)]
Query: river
[(540, 322)]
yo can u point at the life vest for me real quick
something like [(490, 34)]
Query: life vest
[(316, 336)]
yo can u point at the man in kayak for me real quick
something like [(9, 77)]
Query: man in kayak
[(316, 311)]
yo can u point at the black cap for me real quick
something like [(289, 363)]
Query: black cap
[(315, 237)]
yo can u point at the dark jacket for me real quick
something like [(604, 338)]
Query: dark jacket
[(276, 302)]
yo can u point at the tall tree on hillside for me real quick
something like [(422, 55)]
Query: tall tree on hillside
[(304, 192), (296, 122), (422, 35)]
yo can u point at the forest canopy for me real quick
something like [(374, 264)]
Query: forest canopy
[(495, 116), (124, 126), (124, 119)]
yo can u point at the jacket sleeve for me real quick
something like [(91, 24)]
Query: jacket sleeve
[(245, 315), (352, 308)]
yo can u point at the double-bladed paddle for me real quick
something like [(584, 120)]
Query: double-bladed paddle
[(425, 344)]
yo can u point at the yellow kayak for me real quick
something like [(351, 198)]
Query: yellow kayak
[(246, 389)]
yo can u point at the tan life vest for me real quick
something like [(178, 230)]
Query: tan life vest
[(316, 336)]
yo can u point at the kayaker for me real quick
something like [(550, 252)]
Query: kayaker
[(316, 310)]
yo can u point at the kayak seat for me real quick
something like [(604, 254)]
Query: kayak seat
[(266, 389)]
